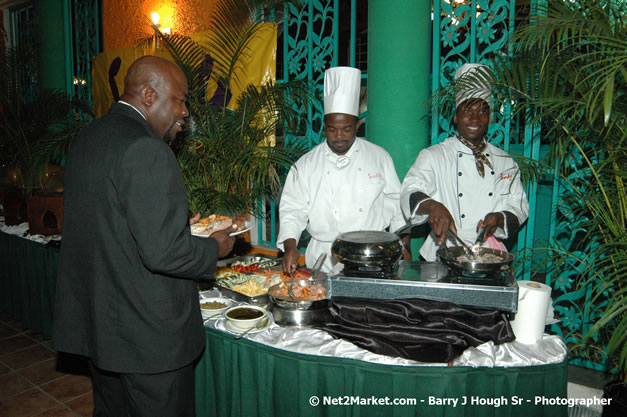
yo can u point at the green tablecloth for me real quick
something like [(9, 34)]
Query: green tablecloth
[(248, 379), (28, 272)]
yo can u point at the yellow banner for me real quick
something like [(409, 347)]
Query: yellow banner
[(257, 67)]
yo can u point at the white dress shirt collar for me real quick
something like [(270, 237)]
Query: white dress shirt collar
[(133, 107)]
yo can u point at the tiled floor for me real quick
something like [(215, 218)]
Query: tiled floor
[(35, 381)]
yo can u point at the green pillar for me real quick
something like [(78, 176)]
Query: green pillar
[(50, 36), (399, 64)]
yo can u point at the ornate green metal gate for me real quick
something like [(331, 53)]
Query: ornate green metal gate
[(83, 41)]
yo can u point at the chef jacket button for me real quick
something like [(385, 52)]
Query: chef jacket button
[(487, 154), (492, 172), (463, 215), (328, 172), (460, 194), (490, 194), (459, 174), (460, 154), (360, 209), (359, 169)]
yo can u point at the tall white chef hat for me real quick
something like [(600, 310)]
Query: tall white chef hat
[(341, 90), (473, 81)]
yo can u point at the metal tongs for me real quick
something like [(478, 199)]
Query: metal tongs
[(289, 286), (469, 250), (479, 240), (314, 274)]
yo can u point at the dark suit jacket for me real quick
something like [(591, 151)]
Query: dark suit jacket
[(124, 294)]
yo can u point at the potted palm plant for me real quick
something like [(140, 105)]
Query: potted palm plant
[(569, 76), (234, 152), (36, 127)]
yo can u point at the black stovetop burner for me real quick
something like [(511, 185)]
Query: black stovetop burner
[(368, 270), (428, 272), (497, 278)]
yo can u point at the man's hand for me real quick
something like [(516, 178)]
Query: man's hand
[(291, 256), (194, 219), (440, 219), (225, 242), (491, 222)]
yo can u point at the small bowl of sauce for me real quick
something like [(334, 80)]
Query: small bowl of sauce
[(245, 317)]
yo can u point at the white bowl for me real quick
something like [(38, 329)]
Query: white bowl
[(214, 311), (245, 317)]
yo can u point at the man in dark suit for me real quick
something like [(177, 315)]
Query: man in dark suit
[(125, 297)]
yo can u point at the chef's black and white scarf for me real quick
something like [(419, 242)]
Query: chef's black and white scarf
[(477, 151)]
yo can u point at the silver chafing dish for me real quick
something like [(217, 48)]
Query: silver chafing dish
[(368, 253), (297, 312)]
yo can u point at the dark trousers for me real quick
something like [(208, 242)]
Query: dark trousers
[(168, 394)]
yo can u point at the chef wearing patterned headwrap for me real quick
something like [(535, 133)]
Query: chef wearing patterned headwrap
[(344, 184), (464, 184)]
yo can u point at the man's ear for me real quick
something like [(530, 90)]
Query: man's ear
[(148, 96)]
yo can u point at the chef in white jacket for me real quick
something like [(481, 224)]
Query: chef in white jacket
[(344, 184), (464, 183)]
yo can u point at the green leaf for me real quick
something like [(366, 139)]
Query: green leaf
[(608, 98)]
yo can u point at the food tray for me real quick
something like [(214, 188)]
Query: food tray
[(247, 258), (260, 300)]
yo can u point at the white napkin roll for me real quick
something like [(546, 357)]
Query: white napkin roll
[(534, 299)]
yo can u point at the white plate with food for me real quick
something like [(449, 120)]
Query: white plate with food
[(243, 228), (205, 228)]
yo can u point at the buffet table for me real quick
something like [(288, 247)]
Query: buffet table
[(28, 271), (248, 378)]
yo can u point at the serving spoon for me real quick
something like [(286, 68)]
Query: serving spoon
[(257, 326)]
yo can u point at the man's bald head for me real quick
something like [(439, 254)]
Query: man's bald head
[(157, 88), (148, 71)]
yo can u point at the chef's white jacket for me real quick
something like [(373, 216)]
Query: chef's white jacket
[(327, 200), (446, 172)]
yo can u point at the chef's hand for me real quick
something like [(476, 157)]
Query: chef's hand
[(194, 219), (406, 247), (290, 258), (225, 242), (440, 219), (491, 222)]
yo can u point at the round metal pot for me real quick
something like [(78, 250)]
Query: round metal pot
[(285, 302), (449, 257), (286, 317), (368, 247)]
